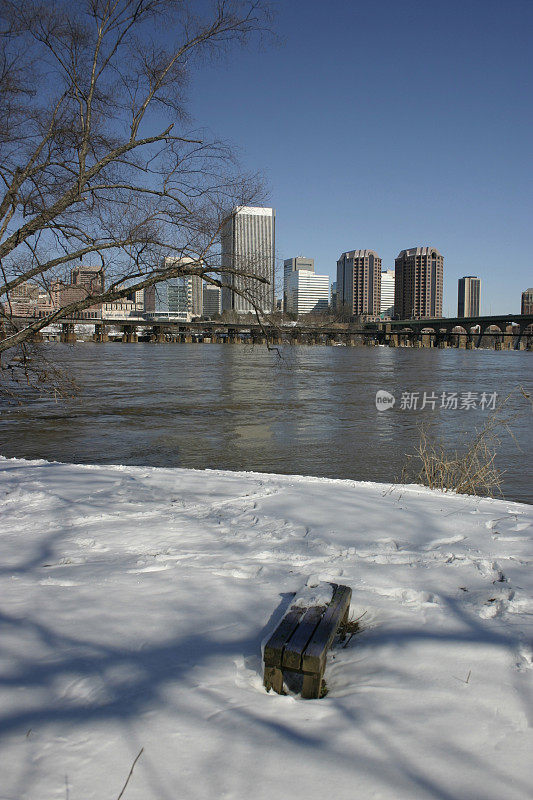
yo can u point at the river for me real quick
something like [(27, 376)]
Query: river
[(311, 411)]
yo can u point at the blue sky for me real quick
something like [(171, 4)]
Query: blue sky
[(388, 124)]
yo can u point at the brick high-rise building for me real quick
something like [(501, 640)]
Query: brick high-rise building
[(63, 294), (418, 283), (468, 296), (359, 282), (527, 302), (89, 277)]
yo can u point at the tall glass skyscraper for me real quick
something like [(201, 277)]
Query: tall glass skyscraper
[(248, 247), (175, 298)]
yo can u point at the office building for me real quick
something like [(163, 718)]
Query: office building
[(124, 308), (248, 247), (212, 302), (307, 292), (65, 294), (137, 297), (468, 296), (359, 282), (418, 283), (527, 302), (27, 300), (88, 277), (291, 265), (386, 308), (175, 298)]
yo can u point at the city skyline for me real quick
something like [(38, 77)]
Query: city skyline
[(437, 159)]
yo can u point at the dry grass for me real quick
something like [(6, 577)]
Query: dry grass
[(350, 628), (471, 469)]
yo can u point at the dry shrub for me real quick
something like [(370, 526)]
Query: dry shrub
[(472, 468), (29, 371), (349, 628)]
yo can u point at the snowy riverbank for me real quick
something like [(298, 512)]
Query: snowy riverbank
[(133, 602)]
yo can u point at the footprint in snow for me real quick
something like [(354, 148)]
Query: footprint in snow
[(525, 657), (447, 540)]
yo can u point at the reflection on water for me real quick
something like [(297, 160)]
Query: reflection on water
[(230, 407)]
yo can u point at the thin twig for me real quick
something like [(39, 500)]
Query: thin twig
[(137, 757)]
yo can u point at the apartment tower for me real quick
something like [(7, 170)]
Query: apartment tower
[(248, 247), (526, 307), (468, 296), (418, 283), (359, 282)]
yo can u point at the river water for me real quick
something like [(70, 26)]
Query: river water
[(310, 412)]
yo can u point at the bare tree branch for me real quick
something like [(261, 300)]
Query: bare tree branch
[(94, 157)]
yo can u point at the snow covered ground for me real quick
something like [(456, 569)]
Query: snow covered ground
[(133, 604)]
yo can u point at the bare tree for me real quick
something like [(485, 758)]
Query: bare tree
[(95, 160)]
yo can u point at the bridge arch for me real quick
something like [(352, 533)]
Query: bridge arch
[(492, 327)]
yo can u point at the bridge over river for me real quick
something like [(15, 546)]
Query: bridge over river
[(501, 332)]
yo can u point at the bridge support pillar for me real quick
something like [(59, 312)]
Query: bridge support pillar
[(508, 337), (469, 344), (129, 333), (68, 334), (100, 334)]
